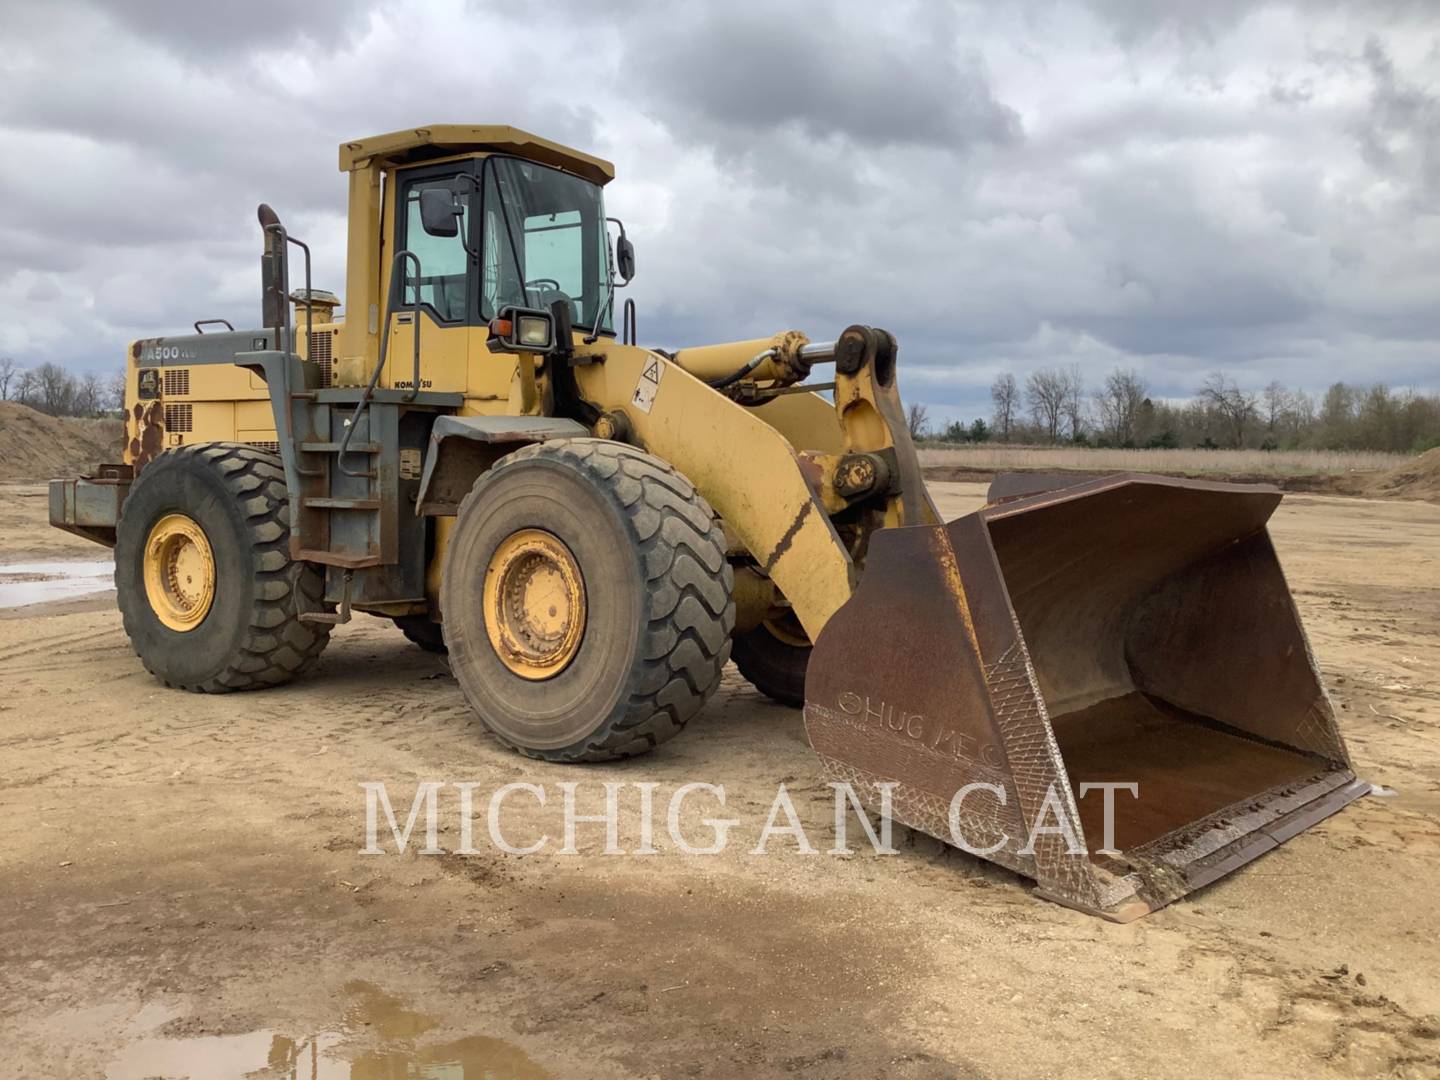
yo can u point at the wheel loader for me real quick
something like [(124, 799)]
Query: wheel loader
[(591, 529)]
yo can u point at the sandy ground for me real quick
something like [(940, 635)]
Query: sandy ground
[(184, 894)]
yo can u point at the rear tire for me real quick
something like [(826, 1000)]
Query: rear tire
[(773, 666), (250, 635), (637, 647), (423, 631)]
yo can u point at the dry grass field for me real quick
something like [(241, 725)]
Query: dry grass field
[(1279, 463)]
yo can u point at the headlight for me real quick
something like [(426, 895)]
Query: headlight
[(534, 331)]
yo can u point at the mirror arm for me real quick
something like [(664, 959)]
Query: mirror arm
[(594, 334), (474, 253)]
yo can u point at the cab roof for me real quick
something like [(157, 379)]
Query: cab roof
[(441, 140)]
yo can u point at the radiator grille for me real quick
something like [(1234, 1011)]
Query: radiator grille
[(260, 444), (180, 417), (322, 352), (177, 382)]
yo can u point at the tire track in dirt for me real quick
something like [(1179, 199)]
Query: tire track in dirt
[(60, 645)]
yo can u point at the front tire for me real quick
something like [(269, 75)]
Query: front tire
[(210, 598), (587, 600), (423, 631), (773, 658)]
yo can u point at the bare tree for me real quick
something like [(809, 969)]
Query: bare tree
[(115, 391), (1005, 395), (1045, 395), (8, 372), (917, 417), (88, 396), (1300, 416), (27, 389), (1276, 401), (57, 389), (1074, 406), (1119, 404), (1234, 406)]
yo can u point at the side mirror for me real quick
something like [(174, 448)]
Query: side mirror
[(625, 258), (440, 211), (518, 329)]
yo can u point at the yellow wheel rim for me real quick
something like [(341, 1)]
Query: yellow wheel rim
[(787, 628), (534, 604), (179, 572)]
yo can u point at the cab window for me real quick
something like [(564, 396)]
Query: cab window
[(543, 239), (444, 275)]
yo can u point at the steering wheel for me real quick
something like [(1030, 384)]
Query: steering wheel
[(537, 283)]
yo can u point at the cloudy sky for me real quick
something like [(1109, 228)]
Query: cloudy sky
[(1249, 187)]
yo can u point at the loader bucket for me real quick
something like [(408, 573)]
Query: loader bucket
[(1129, 629)]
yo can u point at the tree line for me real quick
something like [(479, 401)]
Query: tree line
[(51, 388), (1052, 406), (1055, 406)]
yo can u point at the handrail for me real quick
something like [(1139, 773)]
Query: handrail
[(396, 291), (211, 322)]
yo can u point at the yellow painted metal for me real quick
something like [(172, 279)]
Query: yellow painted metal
[(807, 420), (179, 572), (444, 355), (710, 362), (746, 469), (756, 598), (398, 147), (534, 598), (871, 418), (203, 402), (359, 344)]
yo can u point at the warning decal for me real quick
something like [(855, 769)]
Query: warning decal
[(648, 386)]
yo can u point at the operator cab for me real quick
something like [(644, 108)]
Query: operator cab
[(502, 232), (515, 226), (497, 218)]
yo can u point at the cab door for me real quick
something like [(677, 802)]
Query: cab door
[(446, 283)]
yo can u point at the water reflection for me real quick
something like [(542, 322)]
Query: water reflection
[(376, 1039), (42, 582)]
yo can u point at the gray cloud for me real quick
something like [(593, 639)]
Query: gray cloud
[(1400, 137), (1236, 185), (874, 77), (206, 32)]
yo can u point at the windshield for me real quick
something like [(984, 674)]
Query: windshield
[(543, 238)]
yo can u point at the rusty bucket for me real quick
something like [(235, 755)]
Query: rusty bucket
[(1129, 639)]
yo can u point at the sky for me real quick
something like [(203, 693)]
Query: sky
[(1251, 188)]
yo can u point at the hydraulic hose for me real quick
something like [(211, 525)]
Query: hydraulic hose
[(740, 372)]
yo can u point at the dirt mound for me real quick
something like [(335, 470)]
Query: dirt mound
[(34, 446), (1418, 478)]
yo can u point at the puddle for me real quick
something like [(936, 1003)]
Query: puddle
[(377, 1038), (43, 582)]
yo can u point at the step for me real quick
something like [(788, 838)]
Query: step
[(334, 448), (312, 502)]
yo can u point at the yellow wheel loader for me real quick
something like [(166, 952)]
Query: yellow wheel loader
[(591, 529)]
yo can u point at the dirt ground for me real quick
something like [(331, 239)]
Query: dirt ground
[(183, 892)]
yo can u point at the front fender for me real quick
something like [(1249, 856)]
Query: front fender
[(463, 447)]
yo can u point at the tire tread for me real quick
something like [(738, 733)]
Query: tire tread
[(682, 554), (278, 645)]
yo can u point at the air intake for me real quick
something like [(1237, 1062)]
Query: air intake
[(180, 417)]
